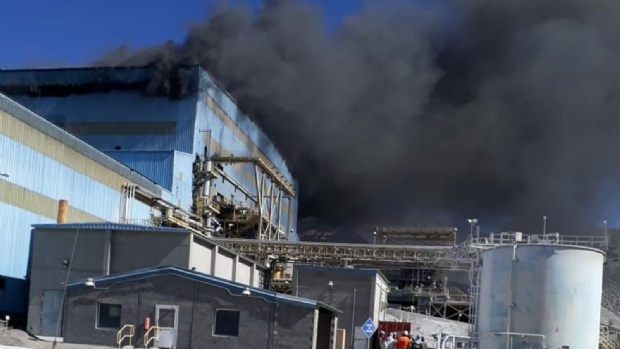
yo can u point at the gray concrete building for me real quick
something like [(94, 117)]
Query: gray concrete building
[(192, 310), (359, 293), (65, 252)]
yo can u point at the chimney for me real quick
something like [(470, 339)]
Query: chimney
[(63, 208)]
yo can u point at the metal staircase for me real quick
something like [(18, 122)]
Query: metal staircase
[(605, 339), (126, 332)]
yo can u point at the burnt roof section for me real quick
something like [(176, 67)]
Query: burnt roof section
[(175, 83)]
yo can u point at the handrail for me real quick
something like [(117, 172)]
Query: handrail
[(510, 238), (155, 337), (120, 336)]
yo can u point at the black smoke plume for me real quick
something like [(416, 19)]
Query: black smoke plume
[(426, 111)]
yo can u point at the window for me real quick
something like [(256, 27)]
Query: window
[(2, 284), (109, 316), (226, 323)]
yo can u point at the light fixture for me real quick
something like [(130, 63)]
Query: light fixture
[(246, 291), (89, 282), (7, 318), (330, 284)]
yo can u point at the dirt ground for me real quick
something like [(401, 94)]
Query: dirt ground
[(16, 338)]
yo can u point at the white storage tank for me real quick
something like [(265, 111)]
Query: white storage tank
[(540, 296)]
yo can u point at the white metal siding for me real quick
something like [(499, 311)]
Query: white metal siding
[(244, 273), (256, 282), (224, 266), (200, 258)]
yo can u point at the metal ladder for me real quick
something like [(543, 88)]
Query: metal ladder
[(474, 296)]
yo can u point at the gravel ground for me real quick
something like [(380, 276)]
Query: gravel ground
[(16, 338)]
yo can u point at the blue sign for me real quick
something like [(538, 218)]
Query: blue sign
[(369, 328)]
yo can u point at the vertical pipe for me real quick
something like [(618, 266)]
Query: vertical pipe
[(259, 200), (353, 319), (63, 208), (280, 213)]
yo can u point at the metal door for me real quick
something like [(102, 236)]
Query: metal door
[(167, 319), (50, 314)]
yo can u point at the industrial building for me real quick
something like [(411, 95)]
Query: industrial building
[(117, 146), (191, 310), (525, 291), (65, 252), (359, 293), (41, 164), (179, 129)]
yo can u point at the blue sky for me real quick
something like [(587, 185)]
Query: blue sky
[(44, 32)]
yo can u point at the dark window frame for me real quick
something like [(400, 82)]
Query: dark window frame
[(226, 332), (106, 326)]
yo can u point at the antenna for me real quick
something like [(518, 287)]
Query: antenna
[(544, 226)]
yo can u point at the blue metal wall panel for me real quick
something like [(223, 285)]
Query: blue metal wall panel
[(157, 166), (182, 180), (249, 127), (58, 181), (243, 174), (14, 297), (118, 107), (36, 172), (15, 237)]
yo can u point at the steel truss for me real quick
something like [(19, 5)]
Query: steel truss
[(453, 258), (271, 189)]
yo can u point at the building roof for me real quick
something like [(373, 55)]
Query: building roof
[(109, 226), (88, 79), (141, 228), (362, 271), (233, 288), (28, 117)]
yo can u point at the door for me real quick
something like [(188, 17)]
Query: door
[(50, 313), (167, 319)]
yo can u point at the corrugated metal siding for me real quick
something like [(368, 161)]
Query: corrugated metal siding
[(36, 172), (32, 130), (239, 137), (15, 237), (121, 107), (154, 165), (182, 180), (249, 127)]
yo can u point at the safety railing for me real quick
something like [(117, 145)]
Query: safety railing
[(154, 338), (125, 332), (511, 238)]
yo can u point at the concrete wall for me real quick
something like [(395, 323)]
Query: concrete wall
[(128, 251), (104, 252), (353, 289), (262, 324)]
